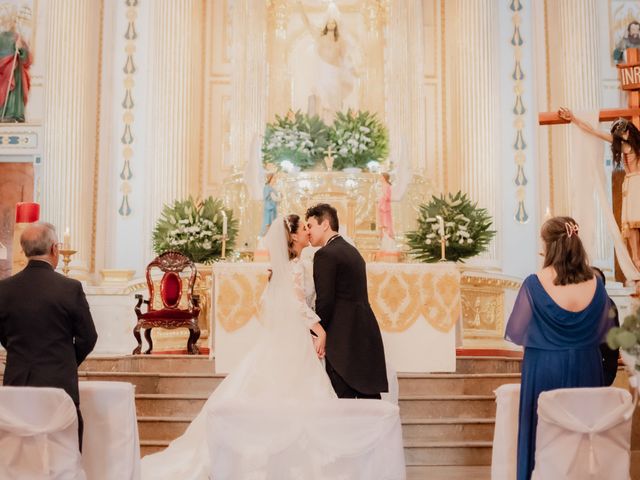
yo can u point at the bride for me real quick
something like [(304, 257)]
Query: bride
[(276, 415)]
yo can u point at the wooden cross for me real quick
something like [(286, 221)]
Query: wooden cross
[(629, 74)]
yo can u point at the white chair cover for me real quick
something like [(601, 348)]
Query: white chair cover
[(505, 437), (110, 447), (336, 439), (584, 433), (38, 435)]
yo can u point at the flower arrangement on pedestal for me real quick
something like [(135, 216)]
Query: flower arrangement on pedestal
[(357, 138), (195, 229), (464, 227), (296, 138)]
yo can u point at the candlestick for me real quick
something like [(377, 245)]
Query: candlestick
[(66, 239), (547, 213), (66, 259)]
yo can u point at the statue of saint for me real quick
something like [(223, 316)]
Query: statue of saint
[(15, 60), (385, 220), (270, 199), (335, 74)]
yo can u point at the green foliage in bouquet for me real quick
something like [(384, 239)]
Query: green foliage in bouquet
[(297, 138), (194, 229), (467, 229), (356, 138), (626, 336)]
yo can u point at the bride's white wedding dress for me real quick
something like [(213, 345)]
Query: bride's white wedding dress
[(276, 415)]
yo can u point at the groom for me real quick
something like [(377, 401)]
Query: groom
[(354, 352)]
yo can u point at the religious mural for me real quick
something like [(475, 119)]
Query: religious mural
[(16, 35), (625, 27)]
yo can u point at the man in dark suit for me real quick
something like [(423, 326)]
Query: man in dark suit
[(355, 359), (45, 322)]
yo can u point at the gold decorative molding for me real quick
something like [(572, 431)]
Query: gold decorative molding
[(96, 163), (468, 280)]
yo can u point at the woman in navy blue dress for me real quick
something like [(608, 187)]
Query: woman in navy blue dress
[(560, 317)]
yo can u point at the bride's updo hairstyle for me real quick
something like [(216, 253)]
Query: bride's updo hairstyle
[(291, 224), (564, 251)]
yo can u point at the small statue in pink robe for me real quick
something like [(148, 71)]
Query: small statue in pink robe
[(385, 222)]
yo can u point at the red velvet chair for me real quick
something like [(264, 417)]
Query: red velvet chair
[(172, 264)]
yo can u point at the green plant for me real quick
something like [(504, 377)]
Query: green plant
[(356, 138), (466, 229), (626, 336), (296, 138), (194, 229)]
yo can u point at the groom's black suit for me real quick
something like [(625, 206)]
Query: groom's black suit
[(354, 352)]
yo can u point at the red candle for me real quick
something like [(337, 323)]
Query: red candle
[(27, 212)]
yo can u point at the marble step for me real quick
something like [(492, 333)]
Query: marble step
[(410, 384), (416, 453), (421, 429), (418, 406), (438, 472), (202, 364), (447, 406), (447, 453)]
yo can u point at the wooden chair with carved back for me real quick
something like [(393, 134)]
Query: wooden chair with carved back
[(170, 315)]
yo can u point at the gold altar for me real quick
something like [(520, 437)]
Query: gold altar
[(353, 194)]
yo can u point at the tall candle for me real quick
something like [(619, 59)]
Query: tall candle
[(224, 223), (66, 239), (441, 224)]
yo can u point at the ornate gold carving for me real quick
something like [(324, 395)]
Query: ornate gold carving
[(483, 311)]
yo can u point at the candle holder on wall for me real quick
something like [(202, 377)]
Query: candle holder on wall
[(66, 259)]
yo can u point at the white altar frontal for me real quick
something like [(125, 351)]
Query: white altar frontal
[(418, 307)]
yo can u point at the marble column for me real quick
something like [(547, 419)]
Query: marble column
[(404, 84), (575, 82), (174, 116), (70, 133), (473, 135)]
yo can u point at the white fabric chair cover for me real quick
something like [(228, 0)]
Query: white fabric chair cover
[(584, 433), (38, 435), (336, 439), (505, 437), (110, 447)]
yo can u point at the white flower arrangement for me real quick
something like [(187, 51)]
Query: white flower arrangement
[(464, 226), (296, 138), (194, 229)]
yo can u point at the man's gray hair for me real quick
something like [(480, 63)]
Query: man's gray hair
[(40, 243)]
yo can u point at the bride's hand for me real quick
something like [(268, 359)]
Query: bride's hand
[(319, 343)]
